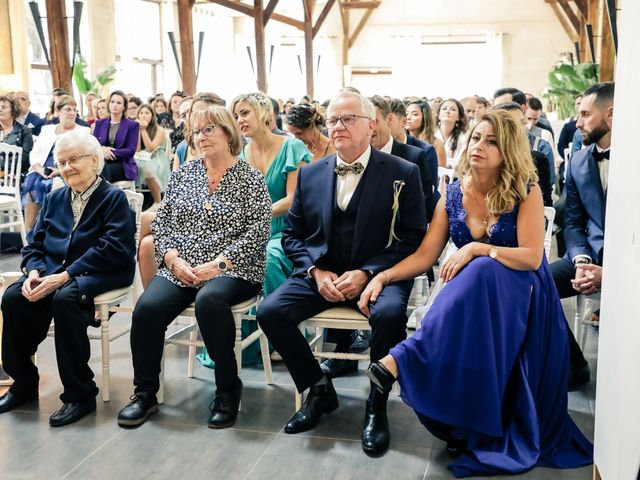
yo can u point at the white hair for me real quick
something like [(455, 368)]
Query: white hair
[(368, 110), (83, 142)]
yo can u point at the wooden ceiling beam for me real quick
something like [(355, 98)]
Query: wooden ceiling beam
[(571, 31), (322, 17), (573, 18), (269, 10), (361, 24), (362, 5), (250, 11), (583, 8)]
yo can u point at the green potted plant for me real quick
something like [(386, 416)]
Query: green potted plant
[(566, 81)]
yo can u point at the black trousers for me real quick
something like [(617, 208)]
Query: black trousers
[(25, 327), (298, 299), (563, 272), (162, 301), (113, 171)]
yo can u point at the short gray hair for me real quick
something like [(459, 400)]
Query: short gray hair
[(368, 110), (82, 141)]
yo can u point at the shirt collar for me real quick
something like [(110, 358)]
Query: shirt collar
[(363, 159), (87, 193), (601, 150), (388, 146)]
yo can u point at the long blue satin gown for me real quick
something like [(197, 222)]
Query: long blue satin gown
[(489, 364)]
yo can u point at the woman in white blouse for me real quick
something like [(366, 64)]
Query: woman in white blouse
[(452, 126)]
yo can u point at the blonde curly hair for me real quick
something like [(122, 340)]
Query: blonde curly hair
[(517, 170)]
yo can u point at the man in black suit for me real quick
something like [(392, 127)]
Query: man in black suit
[(354, 213), (27, 117)]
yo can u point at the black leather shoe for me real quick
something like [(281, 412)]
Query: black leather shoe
[(135, 413), (375, 430), (382, 377), (224, 408), (321, 399), (456, 447), (10, 400), (72, 412), (579, 375), (360, 342), (334, 368)]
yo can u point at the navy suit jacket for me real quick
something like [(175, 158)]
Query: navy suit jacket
[(585, 207), (308, 233), (418, 157), (34, 122), (125, 145), (99, 253), (432, 161)]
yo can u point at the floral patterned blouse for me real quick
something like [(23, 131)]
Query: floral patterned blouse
[(234, 221)]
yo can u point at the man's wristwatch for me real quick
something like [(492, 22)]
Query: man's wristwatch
[(583, 260), (222, 266)]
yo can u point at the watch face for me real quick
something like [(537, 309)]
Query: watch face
[(493, 253), (222, 266)]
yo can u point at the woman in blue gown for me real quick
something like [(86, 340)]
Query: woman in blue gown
[(487, 370)]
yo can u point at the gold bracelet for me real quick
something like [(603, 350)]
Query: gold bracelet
[(386, 277)]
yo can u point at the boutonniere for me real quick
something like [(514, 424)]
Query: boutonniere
[(398, 185), (30, 125)]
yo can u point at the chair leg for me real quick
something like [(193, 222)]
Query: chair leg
[(583, 335), (266, 358), (23, 231), (104, 340), (160, 395), (193, 336), (237, 348)]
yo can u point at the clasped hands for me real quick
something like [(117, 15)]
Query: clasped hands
[(334, 288), (192, 276), (35, 287), (588, 279)]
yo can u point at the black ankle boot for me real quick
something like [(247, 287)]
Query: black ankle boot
[(224, 409), (375, 430), (381, 377)]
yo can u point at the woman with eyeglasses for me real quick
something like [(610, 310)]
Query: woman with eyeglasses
[(305, 123), (39, 180), (151, 157), (210, 232)]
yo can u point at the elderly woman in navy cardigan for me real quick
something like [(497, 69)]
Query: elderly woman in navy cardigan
[(119, 139), (82, 245)]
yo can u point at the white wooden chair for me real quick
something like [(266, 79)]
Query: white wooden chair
[(108, 300), (239, 312), (445, 176), (126, 185), (10, 200), (585, 306), (549, 215)]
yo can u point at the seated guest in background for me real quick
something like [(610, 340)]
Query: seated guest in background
[(469, 104), (39, 180), (482, 107), (81, 246), (151, 156), (211, 232), (566, 137), (13, 132), (452, 125), (27, 117), (539, 160), (99, 107), (354, 214), (486, 371), (533, 115), (134, 105), (176, 125), (306, 124), (420, 125), (52, 117), (584, 210), (397, 123), (90, 116), (276, 122), (159, 105), (119, 139)]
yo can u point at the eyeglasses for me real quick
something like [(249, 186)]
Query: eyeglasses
[(60, 164), (346, 120), (206, 131), (68, 110)]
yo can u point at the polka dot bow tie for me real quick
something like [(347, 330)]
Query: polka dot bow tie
[(343, 169)]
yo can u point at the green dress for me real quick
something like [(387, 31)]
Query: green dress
[(279, 267)]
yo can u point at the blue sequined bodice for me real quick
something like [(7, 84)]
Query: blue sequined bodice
[(501, 234)]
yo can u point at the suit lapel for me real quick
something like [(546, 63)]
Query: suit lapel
[(593, 191), (370, 190), (328, 193)]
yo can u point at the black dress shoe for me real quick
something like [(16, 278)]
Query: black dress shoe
[(334, 368), (321, 399), (224, 409), (10, 400), (375, 430), (136, 412), (360, 342), (72, 412), (456, 447), (382, 377), (579, 375)]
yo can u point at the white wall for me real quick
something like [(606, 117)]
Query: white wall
[(617, 428)]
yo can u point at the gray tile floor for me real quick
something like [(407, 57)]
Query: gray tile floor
[(176, 442)]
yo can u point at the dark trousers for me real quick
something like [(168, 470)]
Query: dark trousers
[(113, 171), (25, 327), (162, 301), (298, 299), (563, 272)]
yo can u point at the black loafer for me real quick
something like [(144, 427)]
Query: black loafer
[(360, 342), (381, 377), (321, 399), (224, 408), (334, 368), (579, 376), (456, 447), (72, 412), (135, 413), (375, 430), (10, 400)]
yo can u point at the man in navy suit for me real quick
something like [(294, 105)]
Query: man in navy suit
[(27, 117), (587, 178), (354, 214), (82, 245)]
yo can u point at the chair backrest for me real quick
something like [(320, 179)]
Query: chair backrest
[(549, 215), (11, 159), (125, 185), (445, 175), (135, 202)]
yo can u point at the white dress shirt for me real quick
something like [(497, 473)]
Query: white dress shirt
[(346, 184), (603, 166), (388, 146)]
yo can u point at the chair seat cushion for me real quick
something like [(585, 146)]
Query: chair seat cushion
[(341, 313), (112, 295)]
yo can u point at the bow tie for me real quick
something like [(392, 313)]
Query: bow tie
[(599, 156), (343, 169)]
